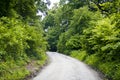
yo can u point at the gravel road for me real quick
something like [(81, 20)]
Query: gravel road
[(62, 67)]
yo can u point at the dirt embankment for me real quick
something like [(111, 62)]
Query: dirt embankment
[(34, 68)]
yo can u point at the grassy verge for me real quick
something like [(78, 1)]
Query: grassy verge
[(20, 69), (111, 70)]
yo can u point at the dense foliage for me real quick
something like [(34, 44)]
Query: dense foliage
[(88, 30), (22, 38)]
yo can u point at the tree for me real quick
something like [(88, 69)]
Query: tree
[(24, 8)]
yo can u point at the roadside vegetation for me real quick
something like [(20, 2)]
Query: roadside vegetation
[(22, 40), (87, 30)]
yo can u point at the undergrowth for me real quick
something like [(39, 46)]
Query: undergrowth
[(17, 70)]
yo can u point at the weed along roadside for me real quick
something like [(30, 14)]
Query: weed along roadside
[(34, 67), (21, 70)]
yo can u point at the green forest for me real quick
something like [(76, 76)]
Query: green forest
[(88, 30)]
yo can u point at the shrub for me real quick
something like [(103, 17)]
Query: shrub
[(19, 43), (81, 55)]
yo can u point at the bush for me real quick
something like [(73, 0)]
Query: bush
[(81, 55), (117, 72), (18, 40), (111, 70), (92, 60), (19, 43)]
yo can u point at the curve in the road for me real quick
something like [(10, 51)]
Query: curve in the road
[(63, 67)]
